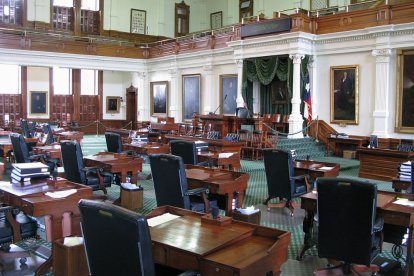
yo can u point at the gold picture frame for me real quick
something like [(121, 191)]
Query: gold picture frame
[(39, 103), (404, 114), (228, 94), (159, 98), (344, 94), (112, 104)]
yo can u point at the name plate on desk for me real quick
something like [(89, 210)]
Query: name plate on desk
[(220, 221), (57, 183)]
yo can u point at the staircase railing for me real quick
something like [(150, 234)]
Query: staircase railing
[(321, 131)]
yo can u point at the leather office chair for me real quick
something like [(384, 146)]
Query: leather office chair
[(349, 230), (187, 151), (21, 151), (47, 130), (76, 171), (15, 226), (170, 185), (27, 131), (117, 241), (113, 142), (281, 180)]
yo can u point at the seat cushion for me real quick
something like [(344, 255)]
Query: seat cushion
[(28, 225)]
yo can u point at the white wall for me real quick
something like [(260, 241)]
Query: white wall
[(115, 84), (37, 80)]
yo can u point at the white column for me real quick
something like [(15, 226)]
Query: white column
[(312, 66), (140, 81), (239, 100), (382, 92), (211, 98), (175, 97), (295, 118)]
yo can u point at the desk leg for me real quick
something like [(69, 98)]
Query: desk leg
[(409, 267), (43, 268), (308, 240)]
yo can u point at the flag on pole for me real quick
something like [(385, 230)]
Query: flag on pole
[(307, 98)]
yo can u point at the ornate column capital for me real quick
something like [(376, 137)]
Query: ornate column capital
[(297, 58), (141, 75), (239, 62), (382, 55)]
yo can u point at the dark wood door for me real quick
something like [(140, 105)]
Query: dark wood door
[(131, 98)]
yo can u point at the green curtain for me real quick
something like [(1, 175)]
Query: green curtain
[(265, 70)]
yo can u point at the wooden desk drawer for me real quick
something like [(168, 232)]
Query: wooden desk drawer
[(211, 268)]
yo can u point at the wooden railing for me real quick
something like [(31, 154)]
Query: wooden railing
[(119, 44), (320, 130)]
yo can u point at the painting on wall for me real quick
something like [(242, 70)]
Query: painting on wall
[(216, 20), (39, 103), (228, 94), (344, 94), (159, 98), (191, 96), (405, 92), (112, 104)]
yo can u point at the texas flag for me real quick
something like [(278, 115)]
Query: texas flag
[(307, 98)]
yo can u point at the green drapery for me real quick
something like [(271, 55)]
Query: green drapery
[(265, 70)]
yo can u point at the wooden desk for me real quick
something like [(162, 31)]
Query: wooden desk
[(33, 201), (398, 185), (116, 163), (232, 162), (219, 181), (69, 135), (393, 214), (217, 145), (147, 148), (381, 164), (339, 144), (51, 151), (238, 248), (315, 169)]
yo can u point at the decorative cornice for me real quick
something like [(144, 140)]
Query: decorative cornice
[(383, 55)]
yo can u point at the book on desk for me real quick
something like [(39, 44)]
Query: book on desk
[(28, 168)]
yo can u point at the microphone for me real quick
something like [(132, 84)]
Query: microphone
[(225, 97)]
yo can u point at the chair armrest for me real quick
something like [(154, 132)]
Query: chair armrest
[(197, 191), (378, 225), (299, 177), (91, 169)]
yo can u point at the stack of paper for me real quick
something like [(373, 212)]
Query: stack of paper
[(404, 171)]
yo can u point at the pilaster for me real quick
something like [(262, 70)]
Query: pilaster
[(295, 118)]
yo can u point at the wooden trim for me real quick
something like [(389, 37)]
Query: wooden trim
[(23, 106), (77, 17), (76, 87)]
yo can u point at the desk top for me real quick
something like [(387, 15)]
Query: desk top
[(113, 158), (214, 175), (386, 152), (214, 142), (259, 249)]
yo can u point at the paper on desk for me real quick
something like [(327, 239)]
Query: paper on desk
[(61, 194), (72, 241), (404, 202), (247, 210), (161, 219), (225, 154), (325, 168)]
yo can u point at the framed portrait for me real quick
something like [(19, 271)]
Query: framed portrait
[(159, 98), (404, 116), (228, 94), (191, 95), (138, 21), (279, 91), (344, 94), (112, 104), (39, 103), (216, 20)]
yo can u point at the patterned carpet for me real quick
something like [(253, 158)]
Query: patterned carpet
[(255, 194)]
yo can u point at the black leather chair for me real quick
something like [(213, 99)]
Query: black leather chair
[(114, 143), (76, 171), (281, 180), (47, 130), (171, 188), (15, 226), (187, 150), (27, 130), (349, 230), (21, 151), (117, 237)]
